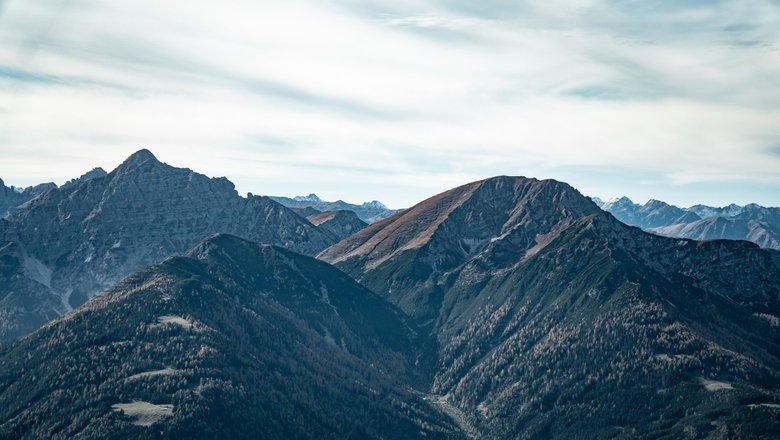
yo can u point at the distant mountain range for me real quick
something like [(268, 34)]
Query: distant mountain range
[(751, 222), (369, 212), (509, 307)]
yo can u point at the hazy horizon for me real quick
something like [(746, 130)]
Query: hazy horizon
[(396, 102), (334, 196)]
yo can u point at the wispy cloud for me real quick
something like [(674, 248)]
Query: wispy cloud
[(397, 100)]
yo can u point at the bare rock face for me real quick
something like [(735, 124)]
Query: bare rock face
[(340, 224), (27, 301), (11, 197), (94, 231), (94, 173)]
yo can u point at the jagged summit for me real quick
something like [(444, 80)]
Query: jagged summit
[(11, 198), (376, 204), (140, 156), (655, 203), (751, 222), (141, 160), (310, 198), (89, 234), (620, 203), (94, 173)]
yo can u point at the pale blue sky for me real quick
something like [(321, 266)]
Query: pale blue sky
[(396, 101)]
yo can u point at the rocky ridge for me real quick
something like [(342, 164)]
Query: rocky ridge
[(73, 241)]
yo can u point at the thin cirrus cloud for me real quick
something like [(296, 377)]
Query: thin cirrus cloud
[(399, 100)]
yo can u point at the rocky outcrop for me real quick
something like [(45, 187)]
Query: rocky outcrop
[(490, 224), (94, 173), (12, 197)]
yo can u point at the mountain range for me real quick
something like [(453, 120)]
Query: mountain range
[(62, 247), (752, 222), (554, 320), (368, 212), (340, 224), (508, 307), (231, 340)]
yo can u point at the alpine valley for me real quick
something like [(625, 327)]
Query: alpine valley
[(156, 302)]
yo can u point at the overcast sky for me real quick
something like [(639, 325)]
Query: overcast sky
[(677, 100)]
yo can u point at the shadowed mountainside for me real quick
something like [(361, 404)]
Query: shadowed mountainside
[(233, 340)]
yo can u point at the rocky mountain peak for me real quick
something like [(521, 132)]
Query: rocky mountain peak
[(470, 217), (620, 203), (655, 204), (140, 156), (374, 204), (310, 198), (90, 234), (140, 160), (94, 173)]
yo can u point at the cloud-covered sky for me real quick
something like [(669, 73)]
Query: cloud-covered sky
[(358, 100)]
